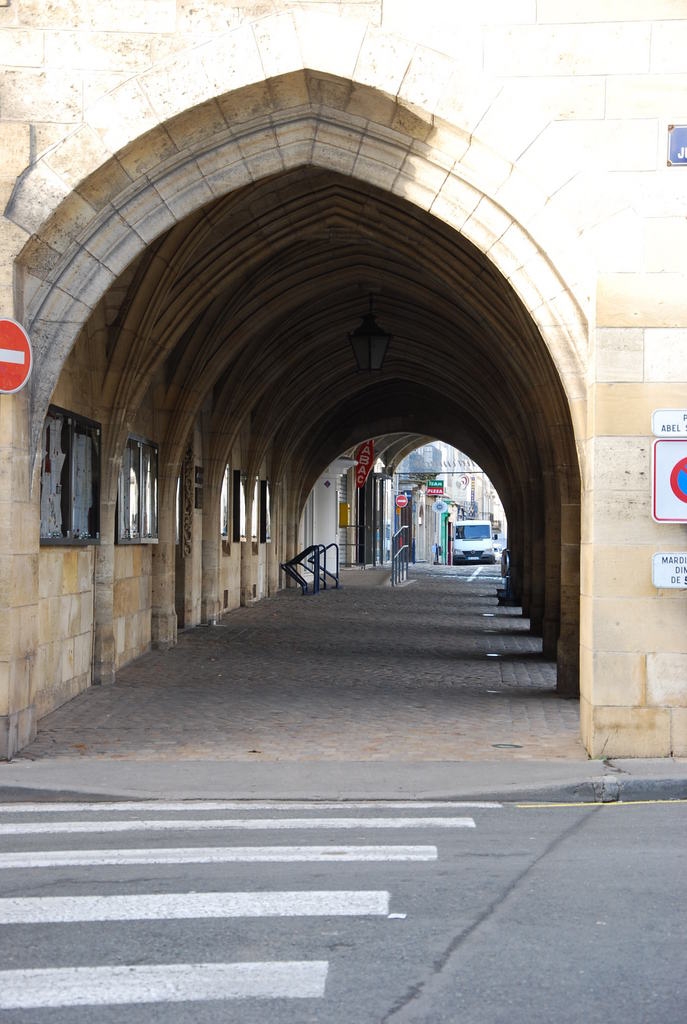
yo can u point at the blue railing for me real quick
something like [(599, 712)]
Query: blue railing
[(316, 562), (400, 556)]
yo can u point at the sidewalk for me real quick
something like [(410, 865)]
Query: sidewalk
[(557, 781), (430, 690)]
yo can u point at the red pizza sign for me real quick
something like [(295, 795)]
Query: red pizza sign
[(15, 356), (435, 487)]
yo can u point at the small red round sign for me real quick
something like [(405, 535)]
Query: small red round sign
[(401, 500), (678, 480), (15, 356)]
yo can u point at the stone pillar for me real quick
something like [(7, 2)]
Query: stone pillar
[(188, 555), (19, 547), (536, 569), (275, 547), (249, 553), (568, 653), (210, 604), (289, 522), (552, 573), (524, 561), (104, 641), (515, 550), (248, 577), (164, 616), (19, 522)]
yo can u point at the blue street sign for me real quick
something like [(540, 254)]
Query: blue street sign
[(677, 145)]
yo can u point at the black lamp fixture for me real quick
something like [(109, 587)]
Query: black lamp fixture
[(369, 342)]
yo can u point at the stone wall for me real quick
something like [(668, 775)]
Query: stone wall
[(65, 626), (132, 601)]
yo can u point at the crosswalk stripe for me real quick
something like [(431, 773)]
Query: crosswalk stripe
[(167, 906), (244, 805), (179, 825), (215, 855), (102, 986)]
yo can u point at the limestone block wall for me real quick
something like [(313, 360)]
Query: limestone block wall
[(132, 601), (65, 626), (18, 578), (633, 640), (230, 576), (65, 610)]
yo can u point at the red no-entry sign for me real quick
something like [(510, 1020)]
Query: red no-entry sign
[(15, 356), (401, 500)]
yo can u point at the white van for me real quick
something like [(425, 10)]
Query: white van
[(473, 542)]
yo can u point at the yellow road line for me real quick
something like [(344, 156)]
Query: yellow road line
[(600, 803)]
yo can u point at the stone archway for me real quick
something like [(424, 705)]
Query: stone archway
[(78, 249), (82, 245)]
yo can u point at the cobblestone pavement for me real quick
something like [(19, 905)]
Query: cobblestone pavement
[(434, 670)]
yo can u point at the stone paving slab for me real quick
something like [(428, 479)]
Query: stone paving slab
[(432, 671)]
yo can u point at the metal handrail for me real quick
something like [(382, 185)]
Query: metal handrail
[(312, 559), (290, 568), (325, 572), (400, 557)]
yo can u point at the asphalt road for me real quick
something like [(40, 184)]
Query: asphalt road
[(343, 914)]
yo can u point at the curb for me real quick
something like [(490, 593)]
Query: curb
[(34, 794), (602, 790)]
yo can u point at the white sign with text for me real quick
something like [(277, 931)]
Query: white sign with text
[(669, 422), (669, 569)]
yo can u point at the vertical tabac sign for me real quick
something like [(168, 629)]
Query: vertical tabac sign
[(364, 457), (15, 357)]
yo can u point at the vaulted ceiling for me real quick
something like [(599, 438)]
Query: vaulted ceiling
[(250, 301)]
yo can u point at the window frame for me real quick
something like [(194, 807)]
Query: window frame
[(145, 472), (238, 505), (225, 505), (67, 488), (255, 512), (265, 513)]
